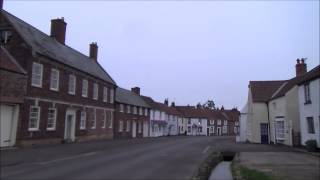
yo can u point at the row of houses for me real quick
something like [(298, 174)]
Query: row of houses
[(283, 112), (51, 93)]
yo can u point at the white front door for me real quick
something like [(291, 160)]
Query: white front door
[(70, 121), (145, 128), (134, 129), (6, 125)]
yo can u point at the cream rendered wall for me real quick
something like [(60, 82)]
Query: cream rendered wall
[(310, 110)]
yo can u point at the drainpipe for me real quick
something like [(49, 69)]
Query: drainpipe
[(269, 127)]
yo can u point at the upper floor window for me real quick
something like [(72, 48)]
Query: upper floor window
[(37, 72), (54, 79), (105, 94), (225, 122), (121, 108), (111, 95), (95, 91), (83, 119), (72, 84), (236, 123), (307, 93), (134, 110), (128, 108), (34, 118), (52, 116), (146, 112), (140, 111), (84, 88), (211, 121), (310, 125)]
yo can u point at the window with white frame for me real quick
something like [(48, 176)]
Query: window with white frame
[(224, 130), (128, 126), (34, 118), (111, 95), (307, 93), (104, 119), (105, 94), (121, 108), (37, 72), (134, 110), (279, 127), (52, 117), (84, 88), (83, 119), (54, 79), (95, 91), (310, 125), (235, 130), (140, 111), (212, 129), (211, 121), (128, 109), (146, 111), (120, 126), (219, 122), (225, 122), (72, 84), (109, 115), (94, 119)]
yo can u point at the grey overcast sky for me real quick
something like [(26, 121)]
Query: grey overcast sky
[(187, 51)]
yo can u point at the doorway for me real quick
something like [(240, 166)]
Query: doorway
[(264, 133), (69, 132), (219, 131), (8, 124)]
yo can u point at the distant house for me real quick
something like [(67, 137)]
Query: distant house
[(69, 96), (172, 120), (309, 108), (132, 114), (196, 120), (158, 118)]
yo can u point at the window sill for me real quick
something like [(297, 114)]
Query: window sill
[(51, 129), (37, 86), (56, 90)]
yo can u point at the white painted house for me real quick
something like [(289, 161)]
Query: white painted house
[(243, 124), (309, 108)]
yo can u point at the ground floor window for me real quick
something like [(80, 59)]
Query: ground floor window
[(235, 130), (34, 118), (83, 118), (224, 130), (52, 116), (310, 125), (212, 129), (128, 126), (120, 126)]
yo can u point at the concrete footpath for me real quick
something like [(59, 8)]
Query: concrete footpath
[(282, 165)]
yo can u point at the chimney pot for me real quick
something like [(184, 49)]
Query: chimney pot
[(301, 68), (136, 90), (93, 52), (58, 30)]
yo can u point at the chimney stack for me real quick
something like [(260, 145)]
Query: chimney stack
[(166, 102), (301, 67), (93, 51), (173, 104), (58, 30), (136, 90)]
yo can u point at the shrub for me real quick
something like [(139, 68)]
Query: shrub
[(311, 145)]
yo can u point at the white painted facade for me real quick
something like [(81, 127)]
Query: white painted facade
[(172, 125), (310, 110), (182, 125), (158, 126), (243, 124), (197, 127)]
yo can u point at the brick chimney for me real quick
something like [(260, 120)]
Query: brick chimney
[(166, 102), (301, 67), (93, 52), (136, 90), (58, 30)]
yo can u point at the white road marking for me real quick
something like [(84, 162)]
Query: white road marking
[(205, 150)]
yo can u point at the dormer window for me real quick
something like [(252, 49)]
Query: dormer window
[(5, 36)]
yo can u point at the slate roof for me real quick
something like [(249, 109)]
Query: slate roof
[(49, 47), (128, 97), (262, 91), (311, 75), (8, 62), (192, 112), (172, 111)]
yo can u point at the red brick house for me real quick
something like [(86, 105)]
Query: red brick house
[(69, 96), (132, 114)]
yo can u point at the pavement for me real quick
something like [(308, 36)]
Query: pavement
[(148, 158), (222, 171), (293, 165)]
